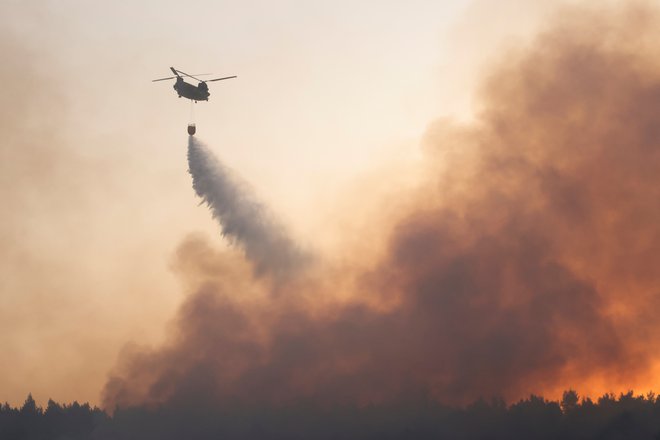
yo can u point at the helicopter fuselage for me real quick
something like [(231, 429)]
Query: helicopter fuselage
[(190, 91)]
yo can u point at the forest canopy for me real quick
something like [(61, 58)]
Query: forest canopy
[(626, 416)]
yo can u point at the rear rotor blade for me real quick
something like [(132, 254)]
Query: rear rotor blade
[(220, 79)]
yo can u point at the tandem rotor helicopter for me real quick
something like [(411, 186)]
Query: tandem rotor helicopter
[(190, 91)]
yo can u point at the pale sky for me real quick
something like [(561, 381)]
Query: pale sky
[(94, 175)]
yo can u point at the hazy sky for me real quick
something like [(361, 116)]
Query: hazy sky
[(93, 177)]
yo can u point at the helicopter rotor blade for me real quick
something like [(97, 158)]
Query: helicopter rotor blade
[(178, 74), (172, 77), (220, 79), (163, 79), (190, 76)]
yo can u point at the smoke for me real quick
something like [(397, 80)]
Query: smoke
[(527, 263), (243, 220), (53, 199)]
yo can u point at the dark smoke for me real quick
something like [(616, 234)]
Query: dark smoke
[(243, 220), (529, 263)]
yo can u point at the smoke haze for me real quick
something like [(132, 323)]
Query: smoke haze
[(527, 262), (84, 233)]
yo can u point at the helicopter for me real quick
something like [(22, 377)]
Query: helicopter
[(190, 91)]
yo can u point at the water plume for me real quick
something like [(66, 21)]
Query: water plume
[(244, 220)]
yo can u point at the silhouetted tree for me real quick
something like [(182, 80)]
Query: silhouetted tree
[(624, 417), (569, 401)]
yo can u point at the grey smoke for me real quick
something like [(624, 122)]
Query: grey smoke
[(243, 219)]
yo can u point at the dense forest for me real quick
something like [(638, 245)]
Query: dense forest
[(610, 417)]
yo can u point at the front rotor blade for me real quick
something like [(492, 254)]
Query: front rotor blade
[(163, 79), (184, 73), (220, 79)]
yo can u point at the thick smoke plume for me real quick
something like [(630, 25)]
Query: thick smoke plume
[(243, 219), (528, 263)]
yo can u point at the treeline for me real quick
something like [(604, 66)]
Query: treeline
[(609, 417)]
